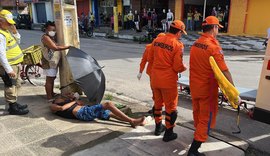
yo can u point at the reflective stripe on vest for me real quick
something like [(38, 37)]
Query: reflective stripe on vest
[(10, 47), (13, 51), (15, 58)]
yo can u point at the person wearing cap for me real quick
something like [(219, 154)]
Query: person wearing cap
[(144, 60), (203, 85), (10, 58), (167, 58)]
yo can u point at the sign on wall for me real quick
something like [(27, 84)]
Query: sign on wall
[(106, 3), (68, 19)]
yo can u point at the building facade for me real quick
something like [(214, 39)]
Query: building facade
[(41, 11), (240, 17), (15, 6)]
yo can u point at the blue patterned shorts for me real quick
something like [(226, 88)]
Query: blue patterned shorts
[(89, 113)]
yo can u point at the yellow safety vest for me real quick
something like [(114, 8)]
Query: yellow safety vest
[(13, 51)]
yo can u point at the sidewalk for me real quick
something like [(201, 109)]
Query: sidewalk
[(42, 133), (228, 42)]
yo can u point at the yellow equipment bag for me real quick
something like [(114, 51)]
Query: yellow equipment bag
[(229, 91)]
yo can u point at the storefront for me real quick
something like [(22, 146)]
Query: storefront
[(105, 10), (220, 9), (244, 17), (240, 17)]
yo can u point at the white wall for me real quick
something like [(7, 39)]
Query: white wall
[(34, 13), (49, 11)]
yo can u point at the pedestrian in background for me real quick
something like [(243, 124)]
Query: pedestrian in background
[(112, 22), (167, 58), (10, 58), (126, 21), (92, 20), (50, 58), (144, 17), (203, 85), (189, 19), (164, 20), (130, 18), (149, 18), (119, 19), (154, 19), (197, 17), (136, 20)]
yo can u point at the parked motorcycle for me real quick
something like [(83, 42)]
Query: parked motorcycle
[(151, 34), (85, 32)]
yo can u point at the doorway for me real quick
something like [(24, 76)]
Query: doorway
[(41, 12), (220, 9)]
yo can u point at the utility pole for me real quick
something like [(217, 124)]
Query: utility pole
[(204, 9), (115, 17), (66, 21)]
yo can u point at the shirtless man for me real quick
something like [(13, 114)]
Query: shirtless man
[(76, 109)]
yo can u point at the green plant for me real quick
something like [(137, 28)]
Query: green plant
[(108, 97)]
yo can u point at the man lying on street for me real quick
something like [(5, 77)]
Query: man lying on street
[(75, 109)]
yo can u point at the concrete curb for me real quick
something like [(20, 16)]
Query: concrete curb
[(125, 98)]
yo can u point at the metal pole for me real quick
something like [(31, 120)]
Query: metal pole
[(204, 9)]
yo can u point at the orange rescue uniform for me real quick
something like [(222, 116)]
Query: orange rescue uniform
[(166, 55), (145, 60), (203, 85)]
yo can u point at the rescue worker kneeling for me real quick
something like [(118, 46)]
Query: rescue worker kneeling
[(167, 62)]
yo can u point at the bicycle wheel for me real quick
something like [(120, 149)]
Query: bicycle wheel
[(34, 75)]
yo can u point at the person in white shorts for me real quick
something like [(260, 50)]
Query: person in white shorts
[(50, 58)]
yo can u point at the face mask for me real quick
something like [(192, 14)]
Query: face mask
[(51, 33)]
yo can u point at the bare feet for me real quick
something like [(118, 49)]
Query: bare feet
[(138, 122)]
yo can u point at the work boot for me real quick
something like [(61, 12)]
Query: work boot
[(21, 106), (193, 151), (169, 135), (159, 128), (14, 110)]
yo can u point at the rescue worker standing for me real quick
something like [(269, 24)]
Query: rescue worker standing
[(203, 85), (167, 62), (144, 60), (10, 58)]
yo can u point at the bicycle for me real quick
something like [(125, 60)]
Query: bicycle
[(31, 67), (31, 73)]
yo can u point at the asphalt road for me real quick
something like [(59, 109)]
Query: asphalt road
[(121, 59)]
